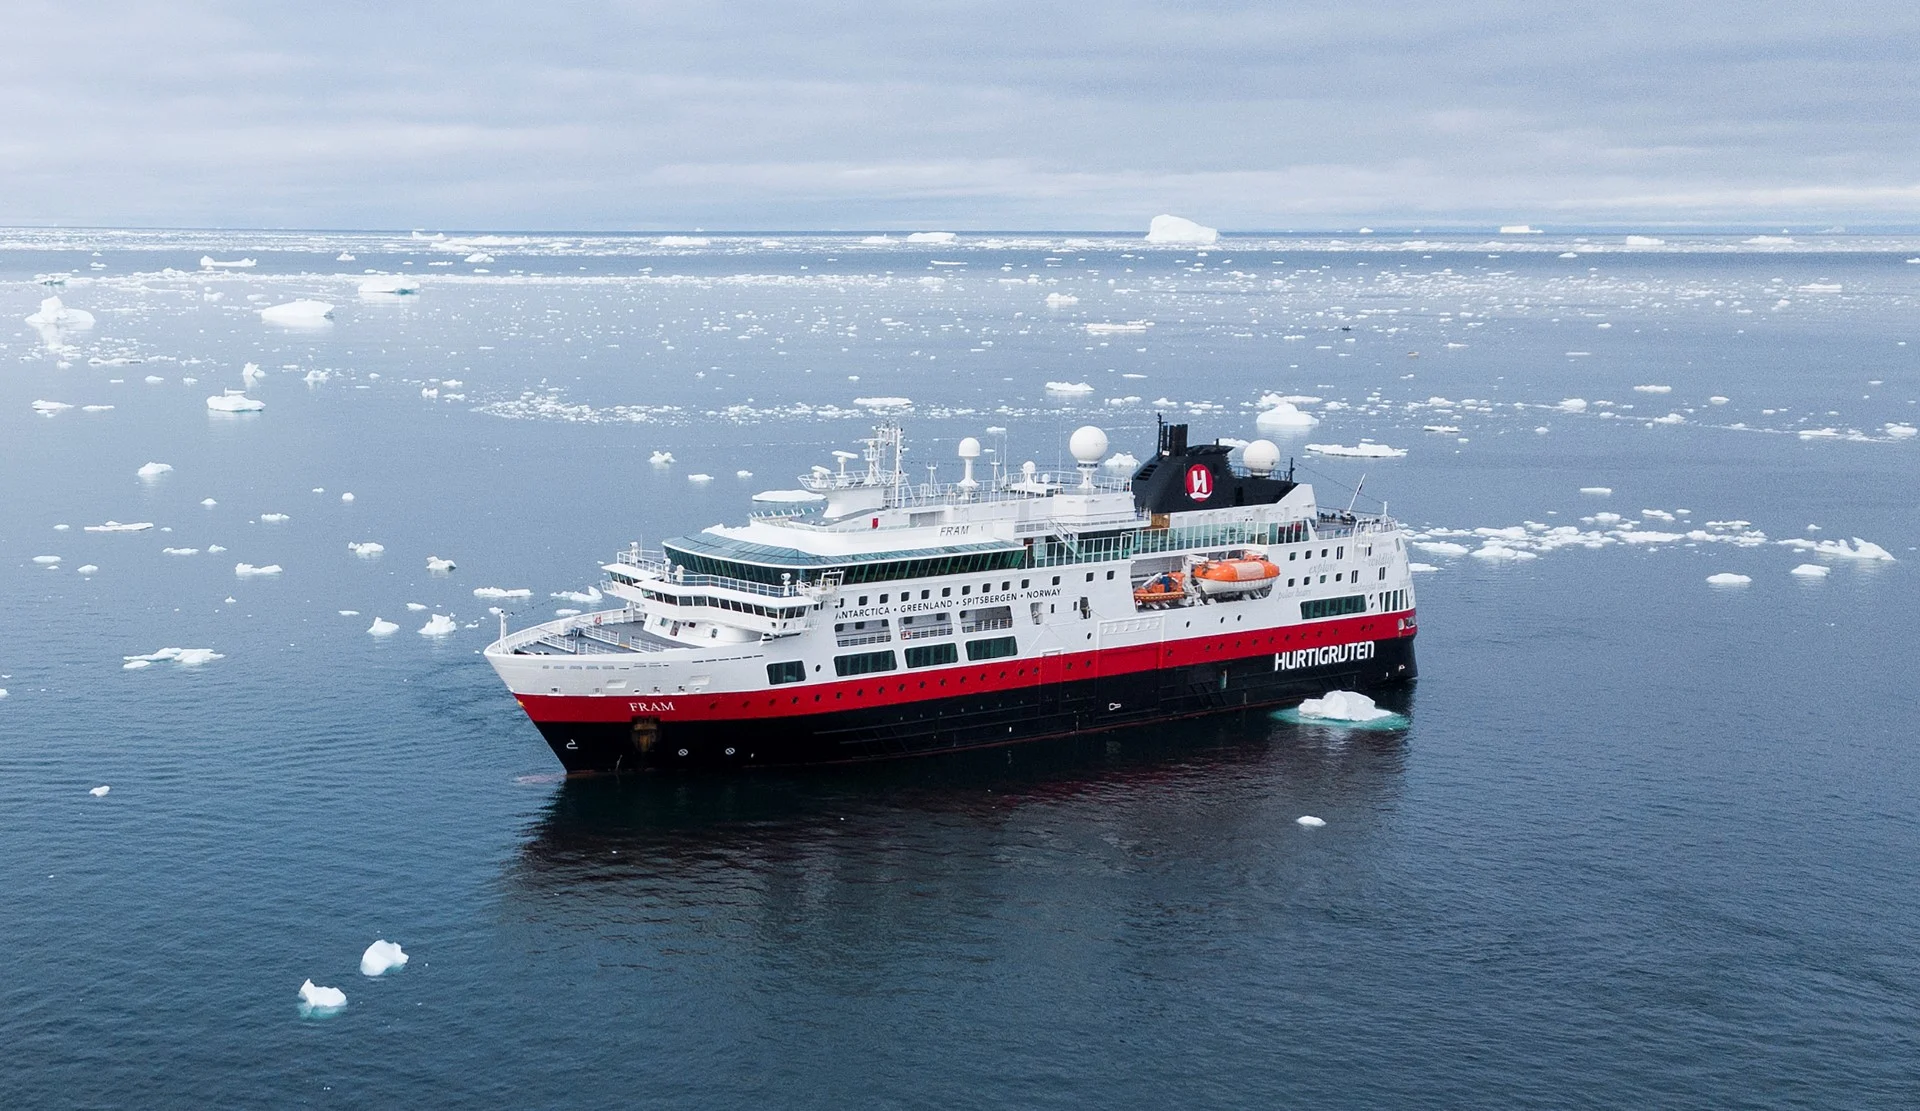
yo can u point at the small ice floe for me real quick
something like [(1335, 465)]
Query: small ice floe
[(179, 551), (215, 549), (1284, 416), (349, 613), (46, 560), (316, 1000), (346, 256), (497, 592), (1520, 229), (251, 372), (1121, 461), (381, 957), (116, 526), (440, 566), (302, 313), (1601, 491), (1653, 389), (1572, 405), (660, 458), (153, 470), (931, 237), (86, 569), (884, 402), (1129, 328), (566, 613), (246, 570), (389, 285), (1811, 571), (585, 598), (1359, 451), (184, 657), (1343, 706), (1443, 429), (479, 258), (1180, 231), (96, 408), (1421, 568), (53, 314), (1840, 549), (1441, 547), (1902, 431), (1309, 821), (1645, 241), (683, 241), (208, 502), (1072, 389), (697, 477), (274, 518), (743, 474), (1728, 578), (365, 547), (154, 380), (316, 377), (50, 406), (1495, 552), (348, 496), (415, 607), (100, 792), (208, 262), (382, 627), (438, 625), (1059, 299), (235, 401)]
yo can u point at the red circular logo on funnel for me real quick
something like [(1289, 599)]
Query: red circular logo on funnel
[(1199, 482)]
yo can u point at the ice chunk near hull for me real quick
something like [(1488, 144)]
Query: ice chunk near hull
[(1343, 706), (381, 957), (1180, 230)]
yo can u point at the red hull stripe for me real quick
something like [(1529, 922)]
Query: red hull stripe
[(894, 687)]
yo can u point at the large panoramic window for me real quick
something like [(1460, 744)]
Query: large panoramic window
[(1333, 607), (790, 671), (992, 648), (932, 655), (864, 663)]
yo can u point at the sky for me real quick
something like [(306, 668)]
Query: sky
[(960, 116)]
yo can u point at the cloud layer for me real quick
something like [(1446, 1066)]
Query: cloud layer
[(962, 115)]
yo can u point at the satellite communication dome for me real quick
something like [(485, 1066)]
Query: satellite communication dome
[(970, 448), (1262, 456), (1088, 444)]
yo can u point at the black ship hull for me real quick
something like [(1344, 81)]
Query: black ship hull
[(956, 723)]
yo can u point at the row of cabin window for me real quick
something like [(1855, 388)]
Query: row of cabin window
[(1333, 607), (926, 655), (971, 564), (1392, 601), (965, 591)]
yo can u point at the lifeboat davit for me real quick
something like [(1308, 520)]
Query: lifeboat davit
[(1165, 589), (1230, 577)]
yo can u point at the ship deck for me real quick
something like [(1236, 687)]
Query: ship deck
[(608, 638)]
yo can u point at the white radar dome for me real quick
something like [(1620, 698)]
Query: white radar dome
[(1088, 444), (1262, 456), (970, 448)]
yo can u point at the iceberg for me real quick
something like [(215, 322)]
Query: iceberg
[(1811, 571), (1283, 417), (439, 566), (1180, 230), (1359, 451), (1121, 461), (931, 237), (1074, 389), (53, 314), (302, 313), (1520, 229), (438, 625), (660, 458), (479, 258), (1062, 299), (154, 470), (382, 956), (1645, 241), (185, 657), (497, 592), (1728, 578), (315, 999), (382, 627), (100, 792), (208, 262), (1343, 706), (1308, 821), (246, 570), (389, 286), (235, 401), (588, 597)]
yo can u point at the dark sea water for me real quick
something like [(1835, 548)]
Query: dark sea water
[(1644, 841)]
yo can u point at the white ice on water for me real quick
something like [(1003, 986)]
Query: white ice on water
[(185, 657), (100, 791), (1077, 389), (1283, 416), (46, 560), (210, 263), (302, 312), (1359, 451), (247, 569), (53, 314), (381, 627), (153, 470), (1309, 821), (86, 569), (50, 406), (1728, 578), (382, 956), (586, 598), (1602, 491), (115, 526), (1121, 461), (235, 401), (438, 625), (1840, 549), (274, 518), (322, 999), (439, 566), (365, 548), (1180, 230), (932, 237), (1812, 571), (1342, 706), (497, 592), (389, 286)]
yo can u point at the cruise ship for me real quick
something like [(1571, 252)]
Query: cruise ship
[(866, 617)]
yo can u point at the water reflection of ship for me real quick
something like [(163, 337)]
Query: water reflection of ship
[(1190, 789)]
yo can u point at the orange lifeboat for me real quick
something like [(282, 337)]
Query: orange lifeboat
[(1168, 588), (1229, 577)]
